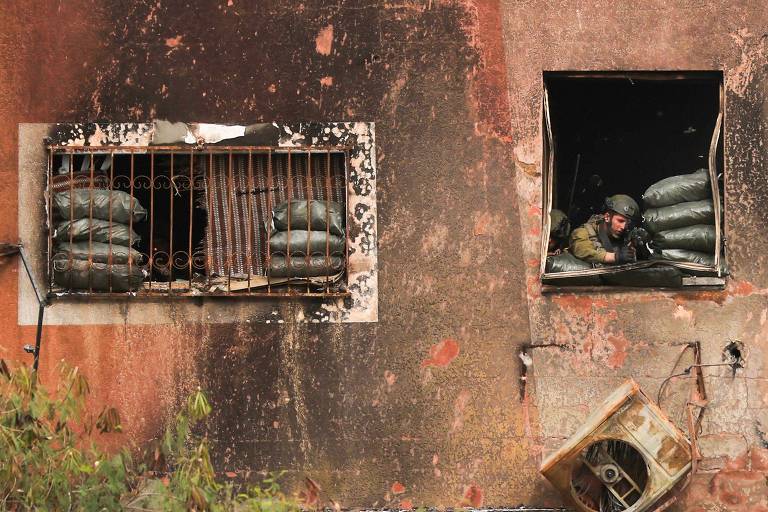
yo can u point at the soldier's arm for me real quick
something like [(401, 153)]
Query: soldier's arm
[(585, 249)]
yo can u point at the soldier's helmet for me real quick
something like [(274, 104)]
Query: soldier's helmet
[(622, 204), (559, 225)]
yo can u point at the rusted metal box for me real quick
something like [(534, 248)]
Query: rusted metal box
[(625, 457)]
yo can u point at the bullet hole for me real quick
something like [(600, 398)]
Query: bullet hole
[(372, 59), (733, 354)]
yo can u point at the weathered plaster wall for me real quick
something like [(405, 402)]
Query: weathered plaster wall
[(422, 407), (417, 408), (614, 336)]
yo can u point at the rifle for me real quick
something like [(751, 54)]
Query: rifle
[(638, 238)]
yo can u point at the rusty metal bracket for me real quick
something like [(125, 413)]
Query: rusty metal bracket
[(8, 249), (697, 399)]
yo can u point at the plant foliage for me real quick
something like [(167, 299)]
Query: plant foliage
[(49, 459)]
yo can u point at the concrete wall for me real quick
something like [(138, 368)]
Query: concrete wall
[(422, 407), (614, 336)]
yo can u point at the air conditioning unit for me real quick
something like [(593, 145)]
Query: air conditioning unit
[(625, 457)]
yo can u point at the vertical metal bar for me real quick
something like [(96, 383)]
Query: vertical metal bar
[(288, 248), (191, 206), (712, 164), (209, 243), (328, 196), (50, 198), (38, 337), (231, 216), (548, 149), (724, 229), (307, 256), (346, 216), (109, 231), (71, 216), (170, 231), (130, 224), (90, 229), (249, 189), (269, 224), (151, 255)]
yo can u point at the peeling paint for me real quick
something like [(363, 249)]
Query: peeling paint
[(173, 42), (324, 40), (473, 497), (442, 353)]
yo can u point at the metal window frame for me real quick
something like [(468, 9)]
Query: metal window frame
[(296, 287), (549, 280)]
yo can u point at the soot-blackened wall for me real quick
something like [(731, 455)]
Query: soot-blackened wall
[(423, 406)]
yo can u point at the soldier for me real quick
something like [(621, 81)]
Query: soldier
[(603, 238), (559, 229)]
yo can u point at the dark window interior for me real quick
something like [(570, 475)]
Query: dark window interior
[(621, 134)]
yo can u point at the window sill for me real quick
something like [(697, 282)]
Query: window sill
[(75, 296), (690, 284)]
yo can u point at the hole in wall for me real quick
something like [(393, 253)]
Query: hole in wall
[(733, 354)]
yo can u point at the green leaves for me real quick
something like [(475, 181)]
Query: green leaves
[(50, 460), (198, 407), (49, 465), (109, 421)]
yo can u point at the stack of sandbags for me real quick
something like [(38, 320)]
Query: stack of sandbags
[(315, 245), (93, 224), (680, 216)]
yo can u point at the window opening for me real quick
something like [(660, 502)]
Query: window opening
[(182, 221), (620, 133)]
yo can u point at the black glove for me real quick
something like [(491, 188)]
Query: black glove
[(626, 254)]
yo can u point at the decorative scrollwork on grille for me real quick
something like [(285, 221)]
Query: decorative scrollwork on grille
[(142, 182), (181, 260), (162, 182), (161, 262), (121, 182), (199, 260), (181, 183)]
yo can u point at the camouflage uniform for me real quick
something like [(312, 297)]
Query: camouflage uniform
[(559, 229), (589, 244)]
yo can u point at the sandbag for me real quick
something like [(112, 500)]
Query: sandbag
[(317, 266), (76, 275), (679, 215), (656, 277), (693, 238), (683, 255), (319, 210), (678, 189), (278, 243), (96, 204), (99, 252), (566, 262), (100, 229)]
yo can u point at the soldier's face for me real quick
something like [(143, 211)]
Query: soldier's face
[(617, 224)]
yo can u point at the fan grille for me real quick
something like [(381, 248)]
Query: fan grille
[(609, 476)]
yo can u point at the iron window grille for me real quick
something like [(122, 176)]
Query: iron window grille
[(208, 222)]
